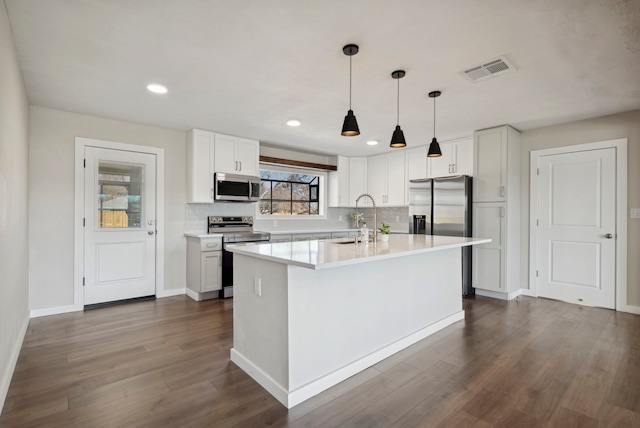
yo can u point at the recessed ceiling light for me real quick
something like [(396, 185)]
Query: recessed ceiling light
[(293, 122), (372, 142), (157, 88)]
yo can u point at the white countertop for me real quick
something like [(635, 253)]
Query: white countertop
[(322, 254), (202, 235), (197, 234), (300, 231)]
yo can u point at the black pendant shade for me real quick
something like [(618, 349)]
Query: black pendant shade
[(397, 139), (350, 125), (434, 147)]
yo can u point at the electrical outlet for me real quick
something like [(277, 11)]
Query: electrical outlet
[(340, 218), (257, 286), (275, 223), (635, 212), (397, 219)]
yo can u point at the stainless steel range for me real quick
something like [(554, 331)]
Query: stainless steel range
[(235, 231)]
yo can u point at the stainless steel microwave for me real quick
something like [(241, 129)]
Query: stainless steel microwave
[(236, 188)]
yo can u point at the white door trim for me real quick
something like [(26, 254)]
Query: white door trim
[(621, 214), (78, 248)]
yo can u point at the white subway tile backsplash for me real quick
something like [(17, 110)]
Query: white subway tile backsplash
[(195, 218)]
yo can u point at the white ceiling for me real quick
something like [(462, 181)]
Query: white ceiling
[(244, 67)]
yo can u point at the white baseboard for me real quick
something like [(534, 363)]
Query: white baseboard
[(492, 294), (195, 296), (35, 313), (5, 380), (505, 296), (171, 292), (291, 398), (202, 296), (527, 292), (629, 309)]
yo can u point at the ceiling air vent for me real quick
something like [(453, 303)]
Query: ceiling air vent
[(488, 70)]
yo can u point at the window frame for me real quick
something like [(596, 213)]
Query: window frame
[(322, 194)]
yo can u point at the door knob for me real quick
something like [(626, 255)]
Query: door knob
[(151, 232), (608, 236)]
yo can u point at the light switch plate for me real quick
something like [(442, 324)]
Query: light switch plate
[(635, 212)]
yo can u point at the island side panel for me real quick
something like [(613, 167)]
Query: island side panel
[(340, 315), (260, 321)]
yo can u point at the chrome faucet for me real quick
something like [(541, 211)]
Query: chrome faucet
[(375, 215)]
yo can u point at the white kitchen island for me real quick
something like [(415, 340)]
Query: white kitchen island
[(308, 315)]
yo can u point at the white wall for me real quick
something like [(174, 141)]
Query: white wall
[(14, 232), (51, 197), (623, 125)]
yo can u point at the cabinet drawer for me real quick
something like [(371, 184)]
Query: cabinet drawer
[(210, 244)]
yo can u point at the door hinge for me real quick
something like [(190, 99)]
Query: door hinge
[(84, 163), (83, 222), (536, 274), (537, 222), (83, 281), (537, 171)]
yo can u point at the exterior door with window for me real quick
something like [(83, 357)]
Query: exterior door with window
[(120, 225)]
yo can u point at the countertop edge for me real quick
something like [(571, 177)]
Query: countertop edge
[(357, 260)]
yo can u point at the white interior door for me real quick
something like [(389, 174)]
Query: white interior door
[(120, 225), (577, 227)]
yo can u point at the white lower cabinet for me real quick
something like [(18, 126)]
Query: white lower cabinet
[(211, 270), (280, 238), (204, 267), (488, 259), (496, 265), (310, 236)]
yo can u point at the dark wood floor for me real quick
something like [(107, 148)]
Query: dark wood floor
[(161, 363)]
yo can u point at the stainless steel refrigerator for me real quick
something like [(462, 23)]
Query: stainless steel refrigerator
[(442, 206)]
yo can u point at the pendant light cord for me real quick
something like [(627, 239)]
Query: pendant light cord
[(434, 117), (350, 82), (398, 105)]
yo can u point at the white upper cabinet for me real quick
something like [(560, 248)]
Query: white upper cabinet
[(358, 181), (386, 178), (396, 179), (339, 184), (200, 146), (208, 152), (236, 155), (456, 159), (497, 164), (348, 182), (416, 162)]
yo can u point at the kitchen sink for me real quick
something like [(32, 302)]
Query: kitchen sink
[(349, 241)]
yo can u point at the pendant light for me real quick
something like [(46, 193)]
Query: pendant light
[(434, 147), (397, 139), (350, 125)]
